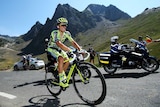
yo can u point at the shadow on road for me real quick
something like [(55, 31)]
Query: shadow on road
[(35, 83), (50, 101), (43, 101), (128, 75), (76, 104)]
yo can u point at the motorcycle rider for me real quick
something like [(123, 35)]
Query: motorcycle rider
[(141, 45), (58, 50), (114, 45), (115, 48)]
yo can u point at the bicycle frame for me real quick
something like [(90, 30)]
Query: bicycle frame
[(71, 70)]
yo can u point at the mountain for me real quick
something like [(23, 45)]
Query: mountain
[(32, 32), (111, 12), (4, 39), (3, 42), (78, 22), (7, 37)]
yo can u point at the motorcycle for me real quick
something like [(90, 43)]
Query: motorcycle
[(129, 58)]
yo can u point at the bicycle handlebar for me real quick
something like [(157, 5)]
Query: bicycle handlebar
[(82, 55), (84, 52)]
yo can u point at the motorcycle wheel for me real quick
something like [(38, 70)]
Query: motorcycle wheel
[(150, 64), (109, 69)]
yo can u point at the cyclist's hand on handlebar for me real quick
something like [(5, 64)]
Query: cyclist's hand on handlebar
[(82, 51), (70, 54)]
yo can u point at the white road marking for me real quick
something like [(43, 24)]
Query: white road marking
[(7, 95)]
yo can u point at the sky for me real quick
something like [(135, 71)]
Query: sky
[(18, 16)]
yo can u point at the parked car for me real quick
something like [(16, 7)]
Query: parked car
[(34, 63)]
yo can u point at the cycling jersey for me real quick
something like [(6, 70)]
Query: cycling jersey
[(55, 36), (53, 49)]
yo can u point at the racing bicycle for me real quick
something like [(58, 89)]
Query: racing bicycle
[(86, 78)]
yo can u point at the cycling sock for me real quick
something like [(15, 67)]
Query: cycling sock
[(62, 76), (63, 79)]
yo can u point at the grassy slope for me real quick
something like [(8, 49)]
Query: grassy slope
[(7, 58), (143, 25)]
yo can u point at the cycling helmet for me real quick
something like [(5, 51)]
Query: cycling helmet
[(114, 38), (62, 20)]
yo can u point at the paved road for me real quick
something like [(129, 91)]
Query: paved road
[(127, 88)]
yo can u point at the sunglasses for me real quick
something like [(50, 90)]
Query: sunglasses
[(64, 25)]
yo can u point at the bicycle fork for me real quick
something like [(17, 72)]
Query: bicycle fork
[(83, 78)]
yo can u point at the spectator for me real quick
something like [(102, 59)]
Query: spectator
[(29, 56), (24, 60), (92, 55)]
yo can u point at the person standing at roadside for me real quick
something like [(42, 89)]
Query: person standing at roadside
[(92, 55)]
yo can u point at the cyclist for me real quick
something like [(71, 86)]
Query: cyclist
[(58, 49)]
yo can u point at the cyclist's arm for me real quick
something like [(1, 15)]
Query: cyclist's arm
[(62, 46), (75, 44)]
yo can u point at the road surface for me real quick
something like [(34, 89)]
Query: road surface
[(127, 88)]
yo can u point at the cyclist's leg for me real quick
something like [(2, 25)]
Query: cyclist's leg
[(60, 64), (61, 67), (60, 59), (65, 64), (62, 76)]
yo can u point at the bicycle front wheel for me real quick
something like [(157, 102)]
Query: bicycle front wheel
[(89, 83)]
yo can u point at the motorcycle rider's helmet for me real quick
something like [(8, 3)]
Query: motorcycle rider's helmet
[(114, 39), (24, 57), (140, 38), (62, 20)]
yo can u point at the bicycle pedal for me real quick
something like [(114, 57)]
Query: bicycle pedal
[(55, 80), (86, 82), (63, 88)]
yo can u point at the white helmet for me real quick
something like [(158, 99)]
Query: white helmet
[(24, 56), (114, 38)]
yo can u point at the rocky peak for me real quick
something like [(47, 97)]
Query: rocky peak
[(96, 9), (32, 32), (147, 10), (111, 12)]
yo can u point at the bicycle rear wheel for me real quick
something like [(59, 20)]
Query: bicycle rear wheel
[(50, 79), (93, 89)]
